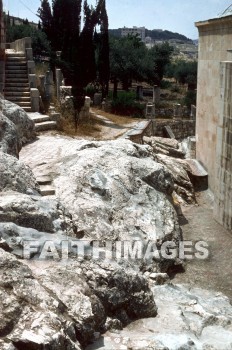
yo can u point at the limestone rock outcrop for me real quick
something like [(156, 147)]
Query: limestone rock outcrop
[(168, 152), (187, 318), (50, 304), (25, 127), (9, 140), (116, 190), (180, 171), (16, 176), (108, 191), (162, 145), (31, 317)]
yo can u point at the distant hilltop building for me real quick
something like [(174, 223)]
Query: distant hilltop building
[(18, 21), (139, 31)]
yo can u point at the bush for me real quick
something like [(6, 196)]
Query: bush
[(175, 88), (90, 90), (40, 43), (165, 84), (125, 104), (190, 98)]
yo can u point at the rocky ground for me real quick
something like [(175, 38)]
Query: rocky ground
[(109, 190)]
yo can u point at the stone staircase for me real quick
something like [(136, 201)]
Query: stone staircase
[(42, 122), (17, 89), (45, 183)]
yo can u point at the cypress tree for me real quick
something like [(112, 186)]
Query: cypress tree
[(45, 15), (66, 27), (103, 60), (86, 46)]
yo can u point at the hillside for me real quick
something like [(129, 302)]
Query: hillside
[(156, 34)]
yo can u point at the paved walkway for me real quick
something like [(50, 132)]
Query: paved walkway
[(111, 130), (215, 272)]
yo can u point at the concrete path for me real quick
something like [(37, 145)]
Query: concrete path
[(198, 224), (111, 130)]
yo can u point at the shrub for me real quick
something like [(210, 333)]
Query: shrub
[(165, 84), (125, 104), (90, 90), (190, 98)]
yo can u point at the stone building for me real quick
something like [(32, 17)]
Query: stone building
[(19, 21), (139, 31), (214, 110)]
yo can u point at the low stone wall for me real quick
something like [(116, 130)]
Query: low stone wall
[(180, 128)]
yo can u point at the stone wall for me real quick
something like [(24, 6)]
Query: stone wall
[(215, 38), (180, 128), (214, 123), (2, 48), (223, 179)]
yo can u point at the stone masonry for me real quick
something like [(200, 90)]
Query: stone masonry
[(213, 121)]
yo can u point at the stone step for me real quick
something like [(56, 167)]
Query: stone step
[(16, 62), (16, 76), (44, 180), (44, 126), (47, 190), (20, 90), (40, 118), (15, 54), (14, 68), (18, 99), (16, 72), (24, 104), (18, 80), (16, 85), (18, 93), (26, 109)]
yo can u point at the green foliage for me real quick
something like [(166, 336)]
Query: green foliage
[(129, 60), (166, 35), (155, 35), (185, 72), (190, 98), (45, 15), (161, 55), (165, 84), (90, 90), (40, 43), (125, 104), (66, 20), (103, 61)]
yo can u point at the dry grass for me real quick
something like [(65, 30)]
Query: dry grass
[(41, 68), (90, 127), (117, 119)]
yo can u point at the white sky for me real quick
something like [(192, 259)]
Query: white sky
[(174, 15)]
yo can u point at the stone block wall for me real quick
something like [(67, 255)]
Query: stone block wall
[(223, 178), (215, 39), (181, 128), (2, 49)]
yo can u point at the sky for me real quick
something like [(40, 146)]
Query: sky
[(174, 15)]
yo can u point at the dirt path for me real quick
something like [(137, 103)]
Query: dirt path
[(215, 272), (111, 130)]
